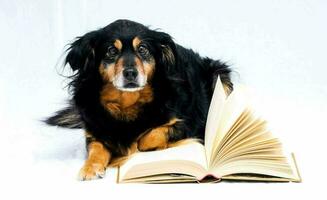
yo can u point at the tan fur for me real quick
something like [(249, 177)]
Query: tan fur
[(149, 67), (136, 42), (108, 72), (157, 138), (139, 65), (125, 105), (118, 44), (96, 163)]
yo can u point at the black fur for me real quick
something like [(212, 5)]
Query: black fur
[(68, 117), (182, 84)]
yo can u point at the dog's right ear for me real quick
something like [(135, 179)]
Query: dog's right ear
[(82, 51)]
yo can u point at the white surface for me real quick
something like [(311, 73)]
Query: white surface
[(277, 47)]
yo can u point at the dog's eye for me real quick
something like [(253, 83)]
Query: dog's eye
[(142, 49), (112, 51)]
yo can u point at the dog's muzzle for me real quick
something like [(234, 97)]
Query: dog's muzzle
[(130, 80), (130, 74)]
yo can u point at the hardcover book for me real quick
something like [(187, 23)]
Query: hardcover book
[(237, 146)]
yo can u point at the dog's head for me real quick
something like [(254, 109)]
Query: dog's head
[(124, 53)]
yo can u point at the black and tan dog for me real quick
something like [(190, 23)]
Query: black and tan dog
[(133, 85)]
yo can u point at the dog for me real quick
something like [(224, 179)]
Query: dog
[(134, 85)]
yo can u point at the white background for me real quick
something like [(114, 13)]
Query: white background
[(278, 48)]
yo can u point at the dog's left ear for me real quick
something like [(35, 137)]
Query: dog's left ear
[(82, 51), (167, 48)]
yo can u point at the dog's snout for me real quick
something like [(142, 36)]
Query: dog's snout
[(130, 74)]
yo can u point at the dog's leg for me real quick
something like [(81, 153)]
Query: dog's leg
[(156, 139), (96, 163), (159, 137)]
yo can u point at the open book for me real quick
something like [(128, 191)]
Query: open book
[(237, 146)]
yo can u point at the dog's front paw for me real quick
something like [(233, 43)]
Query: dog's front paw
[(154, 140), (91, 171)]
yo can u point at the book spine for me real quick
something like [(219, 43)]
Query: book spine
[(209, 178)]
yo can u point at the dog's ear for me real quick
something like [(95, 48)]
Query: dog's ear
[(82, 51), (167, 48)]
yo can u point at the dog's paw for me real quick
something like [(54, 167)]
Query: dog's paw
[(154, 140), (91, 171)]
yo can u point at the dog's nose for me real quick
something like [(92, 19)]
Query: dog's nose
[(130, 74)]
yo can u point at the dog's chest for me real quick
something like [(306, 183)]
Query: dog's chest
[(125, 105)]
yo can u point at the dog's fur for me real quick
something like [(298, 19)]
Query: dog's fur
[(136, 85)]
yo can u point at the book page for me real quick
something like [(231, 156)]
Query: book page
[(222, 115), (163, 178), (213, 119), (238, 142), (249, 147), (186, 159), (278, 168)]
